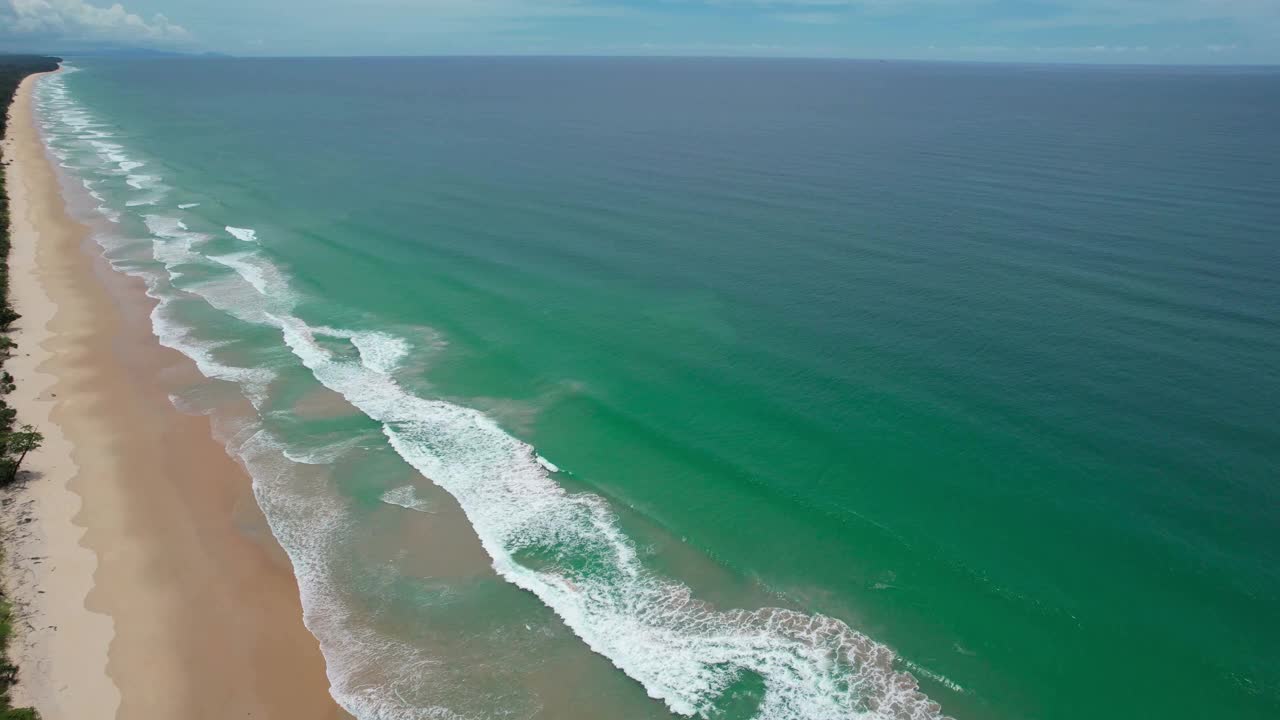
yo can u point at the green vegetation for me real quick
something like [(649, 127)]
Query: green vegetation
[(14, 445), (8, 671)]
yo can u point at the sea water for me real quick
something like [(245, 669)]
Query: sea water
[(728, 388)]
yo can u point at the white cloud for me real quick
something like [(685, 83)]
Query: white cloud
[(78, 20)]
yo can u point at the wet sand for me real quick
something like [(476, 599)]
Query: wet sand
[(147, 581)]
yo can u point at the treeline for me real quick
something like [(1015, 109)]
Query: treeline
[(13, 68), (14, 443)]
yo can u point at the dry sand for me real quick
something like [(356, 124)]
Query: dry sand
[(148, 584)]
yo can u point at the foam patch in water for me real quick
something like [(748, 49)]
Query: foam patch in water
[(406, 497), (245, 234)]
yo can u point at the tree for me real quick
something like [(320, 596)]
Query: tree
[(7, 417), (20, 443), (7, 345), (7, 317)]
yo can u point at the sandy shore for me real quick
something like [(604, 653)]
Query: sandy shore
[(148, 583)]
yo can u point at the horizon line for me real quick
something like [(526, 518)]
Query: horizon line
[(153, 54)]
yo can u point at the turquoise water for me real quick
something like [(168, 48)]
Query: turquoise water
[(838, 374)]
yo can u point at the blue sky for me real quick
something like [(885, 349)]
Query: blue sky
[(1108, 31)]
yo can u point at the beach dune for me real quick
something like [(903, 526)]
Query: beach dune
[(147, 581)]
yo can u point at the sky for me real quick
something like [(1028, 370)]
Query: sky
[(1097, 31)]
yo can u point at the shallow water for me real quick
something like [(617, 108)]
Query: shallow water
[(839, 374)]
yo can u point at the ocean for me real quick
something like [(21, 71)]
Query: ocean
[(778, 389)]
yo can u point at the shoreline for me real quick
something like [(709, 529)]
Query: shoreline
[(145, 580)]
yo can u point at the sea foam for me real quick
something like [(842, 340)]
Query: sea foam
[(245, 234), (142, 182), (406, 497), (685, 652)]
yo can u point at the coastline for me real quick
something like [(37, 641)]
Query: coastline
[(147, 583)]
